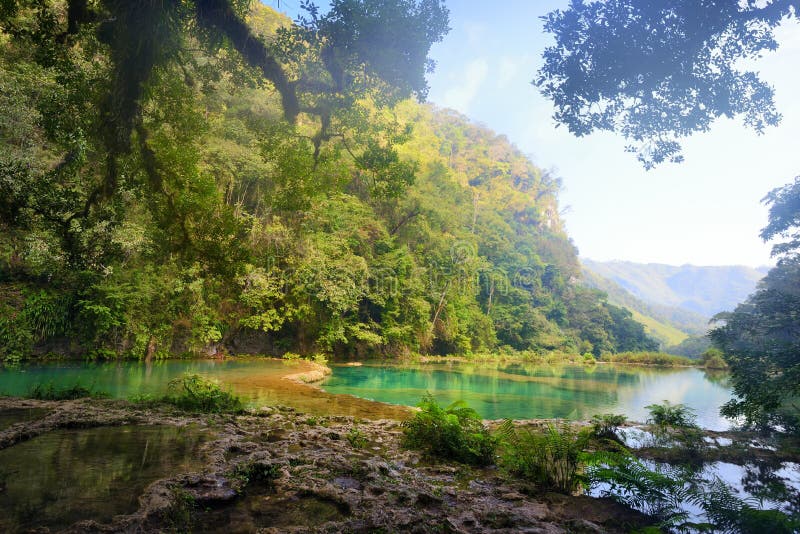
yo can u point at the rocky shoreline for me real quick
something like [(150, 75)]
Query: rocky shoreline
[(282, 469), (320, 479)]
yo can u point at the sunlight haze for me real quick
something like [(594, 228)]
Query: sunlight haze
[(705, 211)]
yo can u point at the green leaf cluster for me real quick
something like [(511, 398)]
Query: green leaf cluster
[(553, 459)]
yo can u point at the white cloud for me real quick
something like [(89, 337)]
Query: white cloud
[(465, 89), (476, 33), (508, 69)]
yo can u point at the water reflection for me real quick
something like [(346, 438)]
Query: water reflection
[(496, 390), (763, 485), (538, 391), (258, 380), (61, 477), (12, 416), (124, 378)]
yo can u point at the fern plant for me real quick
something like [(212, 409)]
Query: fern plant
[(605, 426), (729, 513), (455, 433), (552, 459), (657, 492), (667, 414), (193, 392)]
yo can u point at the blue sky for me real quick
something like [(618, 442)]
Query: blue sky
[(705, 211)]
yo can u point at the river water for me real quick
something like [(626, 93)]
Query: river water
[(521, 391), (495, 390)]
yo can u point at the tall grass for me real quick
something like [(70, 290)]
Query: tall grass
[(649, 358)]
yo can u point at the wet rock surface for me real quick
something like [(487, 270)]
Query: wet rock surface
[(11, 416), (275, 470)]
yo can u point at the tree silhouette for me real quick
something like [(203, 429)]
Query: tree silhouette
[(658, 71)]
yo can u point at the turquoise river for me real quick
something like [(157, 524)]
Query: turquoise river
[(495, 390)]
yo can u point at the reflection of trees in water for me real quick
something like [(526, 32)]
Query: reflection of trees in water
[(763, 482), (718, 376), (66, 475)]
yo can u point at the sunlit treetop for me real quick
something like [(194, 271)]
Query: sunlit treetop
[(386, 41), (657, 71), (321, 68)]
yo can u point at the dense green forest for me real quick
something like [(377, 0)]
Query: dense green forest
[(200, 184), (207, 177)]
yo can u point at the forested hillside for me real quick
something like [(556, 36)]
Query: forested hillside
[(668, 324), (167, 193), (703, 291)]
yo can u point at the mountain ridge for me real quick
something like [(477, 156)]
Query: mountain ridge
[(703, 290)]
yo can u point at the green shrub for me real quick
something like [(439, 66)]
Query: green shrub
[(713, 359), (454, 433), (605, 426), (180, 516), (553, 459), (49, 391), (716, 363), (47, 314), (16, 338), (671, 415), (196, 393), (356, 438), (256, 473), (144, 398)]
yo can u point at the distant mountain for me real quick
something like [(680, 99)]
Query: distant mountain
[(704, 291), (669, 325)]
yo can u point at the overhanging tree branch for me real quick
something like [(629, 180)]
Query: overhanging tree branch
[(219, 15)]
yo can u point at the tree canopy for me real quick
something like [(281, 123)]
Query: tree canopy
[(784, 218), (656, 72), (208, 175), (761, 342), (761, 337)]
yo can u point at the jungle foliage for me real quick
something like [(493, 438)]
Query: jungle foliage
[(196, 177)]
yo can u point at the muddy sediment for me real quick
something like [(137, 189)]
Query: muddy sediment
[(299, 387)]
